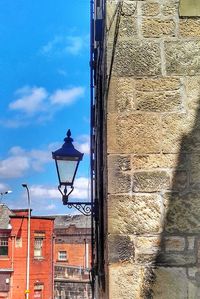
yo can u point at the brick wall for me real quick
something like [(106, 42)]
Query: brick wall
[(152, 151)]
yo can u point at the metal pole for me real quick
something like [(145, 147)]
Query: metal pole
[(27, 291)]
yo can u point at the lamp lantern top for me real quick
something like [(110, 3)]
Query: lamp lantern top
[(67, 151)]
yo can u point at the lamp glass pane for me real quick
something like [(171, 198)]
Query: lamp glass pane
[(66, 170)]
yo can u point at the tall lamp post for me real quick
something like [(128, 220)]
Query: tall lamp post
[(67, 160), (27, 291)]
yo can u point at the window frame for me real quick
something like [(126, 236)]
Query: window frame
[(4, 240), (60, 258)]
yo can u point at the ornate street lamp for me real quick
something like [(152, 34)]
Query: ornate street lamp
[(67, 159)]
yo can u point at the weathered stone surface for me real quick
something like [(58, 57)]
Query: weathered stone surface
[(191, 242), (170, 283), (148, 243), (129, 8), (150, 8), (128, 27), (157, 84), (195, 171), (176, 128), (121, 95), (158, 101), (182, 213), (176, 259), (112, 145), (182, 57), (193, 290), (189, 27), (158, 27), (134, 133), (150, 181), (189, 8), (170, 8), (120, 248), (147, 249), (192, 86), (192, 271), (152, 161), (134, 214), (130, 281), (119, 181), (137, 58), (174, 243), (180, 180)]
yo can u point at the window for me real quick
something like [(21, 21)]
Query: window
[(4, 245), (38, 247), (62, 255)]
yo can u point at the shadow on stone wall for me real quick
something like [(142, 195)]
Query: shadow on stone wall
[(176, 271)]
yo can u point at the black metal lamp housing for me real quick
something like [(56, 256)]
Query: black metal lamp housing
[(67, 159)]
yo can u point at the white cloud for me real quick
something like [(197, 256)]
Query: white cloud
[(83, 144), (31, 100), (40, 191), (20, 161), (75, 44), (14, 167), (37, 102), (66, 96), (63, 45), (81, 188)]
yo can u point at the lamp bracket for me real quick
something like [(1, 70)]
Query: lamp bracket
[(84, 207)]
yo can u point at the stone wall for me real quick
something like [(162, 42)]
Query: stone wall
[(153, 151)]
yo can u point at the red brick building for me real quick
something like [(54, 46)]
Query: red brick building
[(13, 255), (72, 257)]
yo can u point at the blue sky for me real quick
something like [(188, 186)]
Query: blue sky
[(44, 90)]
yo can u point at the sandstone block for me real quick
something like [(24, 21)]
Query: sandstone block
[(189, 8), (195, 171), (134, 133), (180, 180), (137, 58), (170, 283), (128, 27), (150, 8), (120, 249), (176, 259), (189, 27), (192, 86), (174, 243), (182, 57), (119, 181), (150, 181), (130, 278), (129, 8), (134, 214), (175, 129), (157, 84), (193, 290), (147, 248), (192, 271), (182, 213), (153, 161), (158, 27), (191, 242), (130, 281), (158, 101), (170, 8), (121, 95)]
